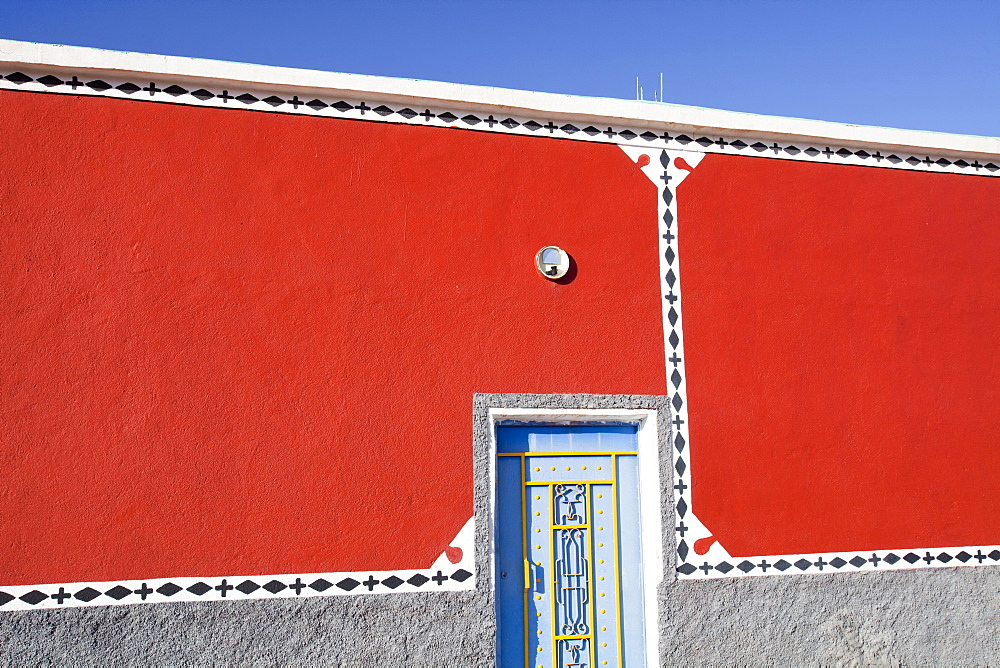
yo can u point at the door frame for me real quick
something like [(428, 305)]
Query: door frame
[(650, 493)]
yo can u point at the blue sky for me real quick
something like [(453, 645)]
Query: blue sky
[(910, 64)]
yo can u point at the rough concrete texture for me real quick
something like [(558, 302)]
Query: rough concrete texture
[(374, 630), (919, 617)]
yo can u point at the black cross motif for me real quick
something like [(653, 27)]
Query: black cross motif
[(878, 156), (674, 359), (74, 82), (722, 143), (875, 559), (680, 487), (223, 588), (976, 164), (669, 236), (666, 137), (828, 153), (427, 115), (764, 565), (145, 591), (671, 297), (705, 567), (666, 177), (927, 161), (298, 586), (681, 529), (61, 596), (153, 90), (295, 102), (777, 150), (678, 421), (226, 97), (610, 133), (551, 127), (440, 578), (820, 564), (980, 556), (928, 558), (490, 121), (362, 108), (371, 582)]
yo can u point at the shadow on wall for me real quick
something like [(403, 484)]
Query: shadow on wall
[(570, 274)]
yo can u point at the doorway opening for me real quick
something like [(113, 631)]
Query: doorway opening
[(577, 543)]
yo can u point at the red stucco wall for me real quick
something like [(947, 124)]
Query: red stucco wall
[(235, 342), (841, 326)]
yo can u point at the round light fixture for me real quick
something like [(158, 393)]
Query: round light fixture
[(552, 262)]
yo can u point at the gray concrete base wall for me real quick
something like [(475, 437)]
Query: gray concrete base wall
[(373, 630), (920, 617), (927, 617)]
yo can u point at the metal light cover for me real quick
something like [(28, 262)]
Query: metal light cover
[(552, 262)]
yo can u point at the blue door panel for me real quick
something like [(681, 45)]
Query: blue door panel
[(569, 571), (510, 570)]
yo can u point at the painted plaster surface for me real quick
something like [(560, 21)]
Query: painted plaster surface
[(840, 328), (242, 342)]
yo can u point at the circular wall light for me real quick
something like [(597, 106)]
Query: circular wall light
[(552, 262)]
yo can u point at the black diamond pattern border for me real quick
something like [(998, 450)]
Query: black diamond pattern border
[(149, 90), (689, 564), (218, 589), (883, 560)]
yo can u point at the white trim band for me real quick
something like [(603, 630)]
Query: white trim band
[(543, 106)]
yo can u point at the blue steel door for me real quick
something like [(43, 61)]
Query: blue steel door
[(568, 567)]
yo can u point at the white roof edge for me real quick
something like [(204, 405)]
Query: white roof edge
[(461, 96)]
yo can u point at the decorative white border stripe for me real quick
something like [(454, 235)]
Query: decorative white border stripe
[(667, 169), (597, 111), (307, 102), (443, 575), (838, 562), (31, 597)]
